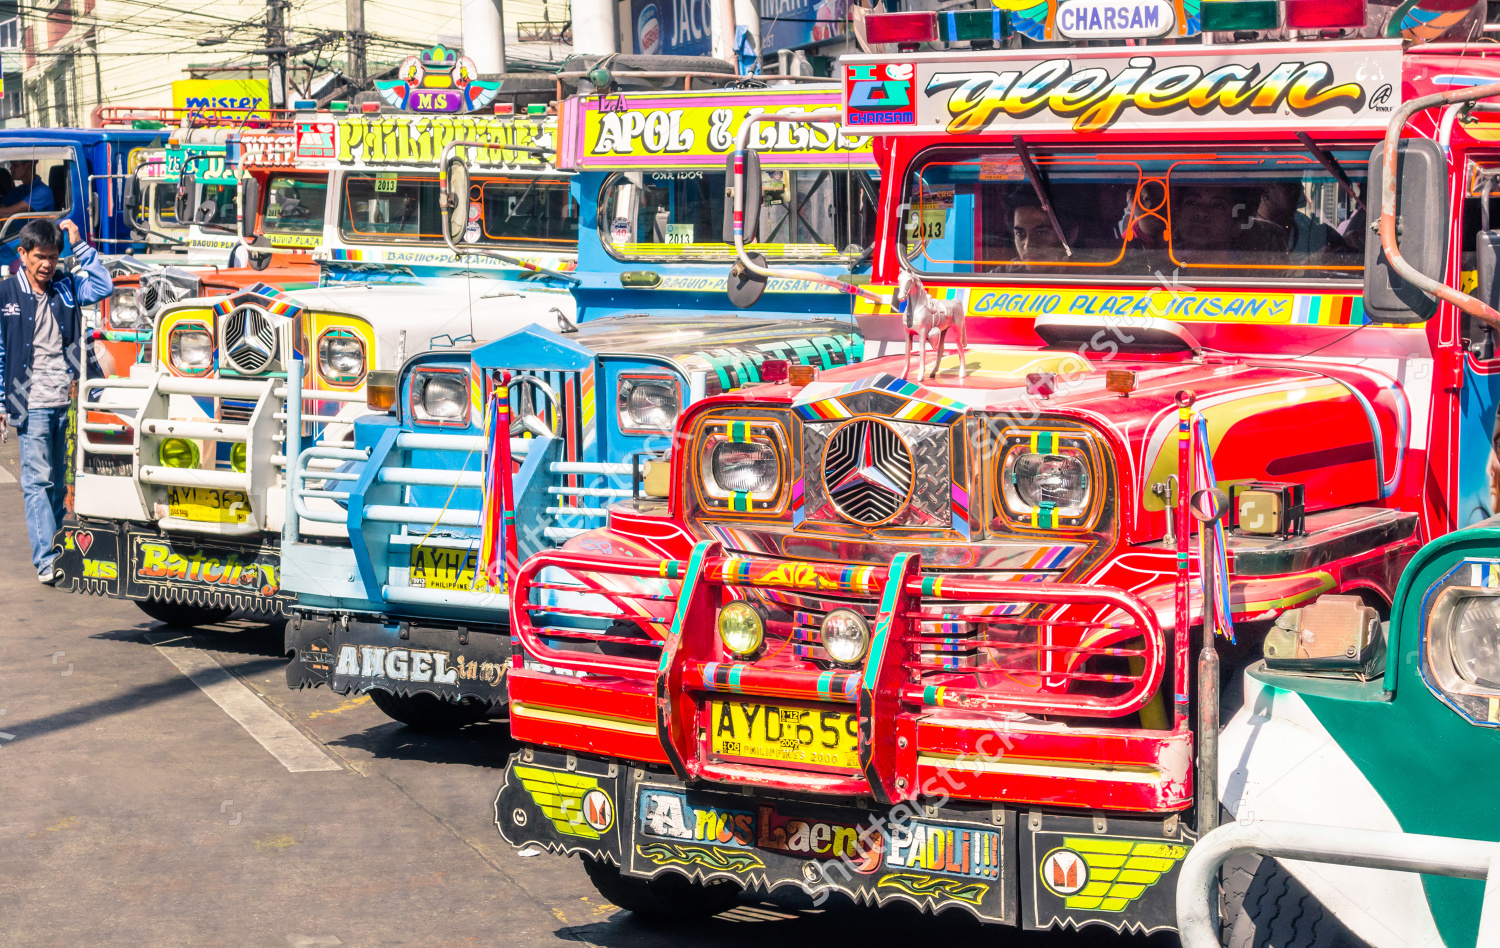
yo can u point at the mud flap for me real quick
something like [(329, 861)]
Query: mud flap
[(650, 823), (1085, 870), (127, 562), (88, 554), (400, 657)]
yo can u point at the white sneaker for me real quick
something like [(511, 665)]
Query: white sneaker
[(49, 576)]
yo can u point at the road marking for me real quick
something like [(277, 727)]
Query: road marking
[(5, 476), (286, 743)]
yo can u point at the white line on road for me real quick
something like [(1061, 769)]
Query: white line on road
[(6, 477), (286, 743)]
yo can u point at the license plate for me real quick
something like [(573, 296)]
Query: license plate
[(437, 568), (206, 504), (814, 737)]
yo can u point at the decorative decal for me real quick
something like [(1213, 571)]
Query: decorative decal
[(1106, 875), (636, 130), (1094, 90), (709, 857), (440, 80), (561, 797), (934, 887)]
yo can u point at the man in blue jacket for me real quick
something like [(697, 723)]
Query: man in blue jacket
[(42, 346)]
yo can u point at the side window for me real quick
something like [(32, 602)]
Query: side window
[(1483, 340), (38, 187)]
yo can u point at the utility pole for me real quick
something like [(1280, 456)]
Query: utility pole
[(484, 34), (354, 15), (276, 50)]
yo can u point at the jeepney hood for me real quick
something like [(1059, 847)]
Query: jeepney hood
[(429, 312), (1340, 430)]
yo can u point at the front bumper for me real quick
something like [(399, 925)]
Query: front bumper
[(1032, 868), (133, 561), (404, 658)]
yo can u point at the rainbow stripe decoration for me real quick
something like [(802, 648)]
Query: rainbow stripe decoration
[(497, 516), (264, 295), (1328, 310), (926, 405), (961, 510), (799, 508)]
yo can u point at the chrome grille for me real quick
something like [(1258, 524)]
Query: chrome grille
[(235, 412), (868, 471), (150, 297), (249, 340)]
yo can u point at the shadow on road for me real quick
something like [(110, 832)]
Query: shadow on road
[(486, 744)]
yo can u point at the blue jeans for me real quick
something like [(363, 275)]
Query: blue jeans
[(44, 473)]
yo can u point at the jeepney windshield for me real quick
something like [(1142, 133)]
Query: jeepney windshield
[(675, 215), (218, 204), (163, 205), (401, 207), (1225, 214), (294, 203)]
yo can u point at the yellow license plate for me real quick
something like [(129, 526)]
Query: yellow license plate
[(437, 568), (207, 504), (784, 735)]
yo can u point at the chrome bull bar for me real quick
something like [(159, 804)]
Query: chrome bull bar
[(148, 419), (582, 510)]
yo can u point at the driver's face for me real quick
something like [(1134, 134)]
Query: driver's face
[(1207, 218), (1035, 237)]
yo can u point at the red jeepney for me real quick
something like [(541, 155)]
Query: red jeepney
[(935, 631)]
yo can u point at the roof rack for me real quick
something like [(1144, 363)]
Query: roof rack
[(115, 115)]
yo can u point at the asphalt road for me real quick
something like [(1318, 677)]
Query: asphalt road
[(135, 809)]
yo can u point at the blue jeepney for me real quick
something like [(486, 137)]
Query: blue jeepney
[(491, 454)]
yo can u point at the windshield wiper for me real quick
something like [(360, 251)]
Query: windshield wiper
[(1331, 165), (1035, 177)]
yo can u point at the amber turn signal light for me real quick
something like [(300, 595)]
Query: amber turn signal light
[(380, 390)]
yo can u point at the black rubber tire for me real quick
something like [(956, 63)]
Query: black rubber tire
[(422, 712), (1266, 907), (669, 897), (180, 614)]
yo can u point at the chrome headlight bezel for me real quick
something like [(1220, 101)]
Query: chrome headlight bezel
[(447, 405), (1042, 450), (342, 358), (763, 439), (122, 301), (633, 417), (179, 337), (845, 619)]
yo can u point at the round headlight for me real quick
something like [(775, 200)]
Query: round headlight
[(237, 457), (648, 403), (444, 397), (192, 350), (1057, 480), (741, 628), (124, 310), (846, 636), (179, 452), (745, 468), (1475, 641), (341, 357)]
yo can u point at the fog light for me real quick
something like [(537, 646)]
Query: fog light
[(846, 636), (176, 452), (237, 457), (741, 628)]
